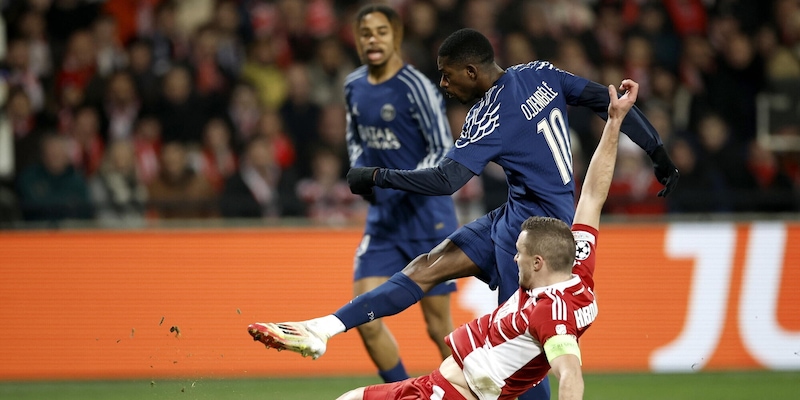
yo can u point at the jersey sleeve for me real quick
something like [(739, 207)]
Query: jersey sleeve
[(443, 179), (354, 146), (571, 85), (585, 250), (429, 112)]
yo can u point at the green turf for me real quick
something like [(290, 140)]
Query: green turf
[(706, 386)]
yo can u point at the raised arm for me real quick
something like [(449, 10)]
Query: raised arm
[(636, 126), (601, 168)]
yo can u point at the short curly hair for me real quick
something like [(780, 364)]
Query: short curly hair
[(467, 46)]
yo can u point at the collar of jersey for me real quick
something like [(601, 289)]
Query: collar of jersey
[(560, 286)]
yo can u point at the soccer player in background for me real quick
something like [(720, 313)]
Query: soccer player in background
[(502, 354), (396, 119), (519, 122)]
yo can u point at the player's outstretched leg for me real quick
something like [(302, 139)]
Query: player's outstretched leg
[(292, 336)]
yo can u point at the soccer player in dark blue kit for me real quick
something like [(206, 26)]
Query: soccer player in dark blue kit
[(396, 119), (520, 122)]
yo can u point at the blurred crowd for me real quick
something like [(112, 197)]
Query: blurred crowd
[(126, 111)]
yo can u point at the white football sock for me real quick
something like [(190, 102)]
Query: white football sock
[(328, 325)]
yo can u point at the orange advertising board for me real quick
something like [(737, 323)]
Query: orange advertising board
[(160, 304)]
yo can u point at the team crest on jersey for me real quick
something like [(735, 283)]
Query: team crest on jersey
[(582, 250), (387, 112)]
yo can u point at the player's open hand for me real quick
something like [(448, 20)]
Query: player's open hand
[(619, 106)]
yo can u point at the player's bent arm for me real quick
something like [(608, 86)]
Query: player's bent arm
[(635, 125), (564, 356), (444, 179), (601, 168)]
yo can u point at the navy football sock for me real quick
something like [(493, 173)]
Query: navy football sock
[(391, 297), (396, 374)]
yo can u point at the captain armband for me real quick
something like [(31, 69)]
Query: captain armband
[(559, 345)]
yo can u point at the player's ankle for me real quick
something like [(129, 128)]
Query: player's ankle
[(327, 326)]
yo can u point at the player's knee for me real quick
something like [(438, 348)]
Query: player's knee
[(370, 330), (438, 329), (427, 269)]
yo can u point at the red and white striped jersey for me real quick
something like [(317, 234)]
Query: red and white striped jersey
[(502, 353)]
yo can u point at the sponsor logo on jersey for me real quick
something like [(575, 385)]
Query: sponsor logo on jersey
[(561, 329), (387, 112), (585, 315), (378, 138), (538, 101)]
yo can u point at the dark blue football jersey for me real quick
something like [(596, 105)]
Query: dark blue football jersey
[(521, 124), (400, 124)]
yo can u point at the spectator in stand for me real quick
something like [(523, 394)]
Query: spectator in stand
[(270, 125), (263, 73), (16, 71), (27, 128), (420, 37), (633, 188), (52, 189), (327, 72), (147, 144), (169, 46), (243, 113), (111, 55), (259, 189), (210, 81), (178, 192), (734, 85), (301, 116), (79, 65), (217, 157), (86, 144), (517, 49), (121, 106), (140, 66), (726, 154), (333, 130), (773, 190), (230, 49), (119, 198), (652, 23), (702, 189), (181, 113), (779, 62), (326, 195), (32, 27)]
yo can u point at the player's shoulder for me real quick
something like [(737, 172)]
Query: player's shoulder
[(358, 74)]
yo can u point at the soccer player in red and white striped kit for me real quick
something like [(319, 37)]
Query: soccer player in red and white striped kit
[(503, 354)]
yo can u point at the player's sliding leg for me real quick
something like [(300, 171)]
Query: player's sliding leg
[(402, 290)]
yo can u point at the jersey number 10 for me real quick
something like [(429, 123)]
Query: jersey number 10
[(555, 132)]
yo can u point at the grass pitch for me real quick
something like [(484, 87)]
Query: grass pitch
[(707, 386)]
